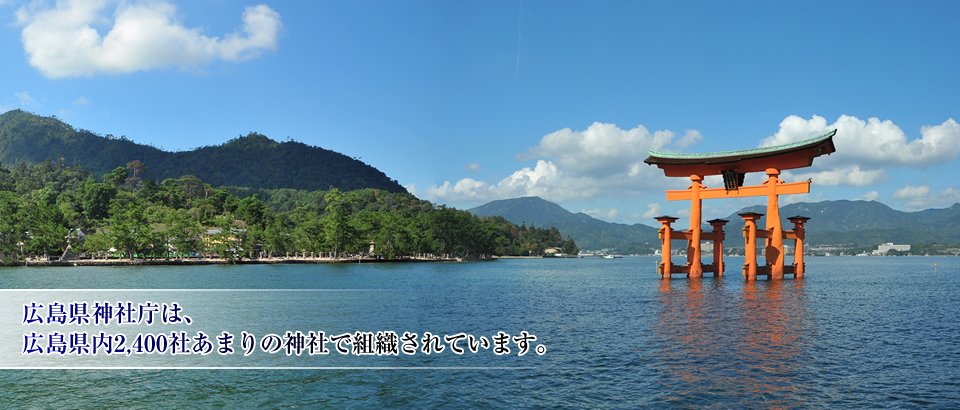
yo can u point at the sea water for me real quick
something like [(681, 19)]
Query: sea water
[(856, 332)]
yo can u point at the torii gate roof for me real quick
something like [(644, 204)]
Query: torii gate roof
[(787, 156)]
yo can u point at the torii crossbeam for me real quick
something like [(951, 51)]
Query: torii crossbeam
[(733, 166)]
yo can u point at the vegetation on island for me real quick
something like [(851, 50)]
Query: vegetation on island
[(47, 206)]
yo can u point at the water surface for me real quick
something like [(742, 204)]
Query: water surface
[(856, 332)]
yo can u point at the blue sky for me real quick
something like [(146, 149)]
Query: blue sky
[(467, 102)]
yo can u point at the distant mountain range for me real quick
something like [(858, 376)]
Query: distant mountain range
[(856, 223), (253, 161), (864, 223), (588, 232)]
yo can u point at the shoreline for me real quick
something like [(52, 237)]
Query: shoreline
[(218, 261)]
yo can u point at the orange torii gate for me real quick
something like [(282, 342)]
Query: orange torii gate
[(733, 166)]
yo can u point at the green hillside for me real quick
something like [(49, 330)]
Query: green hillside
[(588, 232), (253, 160)]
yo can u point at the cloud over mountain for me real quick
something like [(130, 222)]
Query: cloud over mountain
[(602, 160), (606, 161), (922, 197)]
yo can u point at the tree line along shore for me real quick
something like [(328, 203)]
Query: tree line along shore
[(51, 212)]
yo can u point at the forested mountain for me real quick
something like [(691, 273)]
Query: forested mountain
[(253, 160), (588, 232)]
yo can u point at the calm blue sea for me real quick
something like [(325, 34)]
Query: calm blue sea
[(856, 332)]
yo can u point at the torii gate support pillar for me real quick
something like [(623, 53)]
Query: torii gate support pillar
[(666, 265), (750, 249), (774, 248), (693, 245), (798, 231), (718, 237)]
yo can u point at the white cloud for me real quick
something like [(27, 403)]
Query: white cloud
[(851, 175), (26, 99), (412, 189), (865, 148), (922, 197), (61, 41), (539, 181), (792, 199), (911, 191), (81, 101), (473, 167), (690, 138), (601, 161), (603, 214), (870, 196), (601, 149), (653, 210)]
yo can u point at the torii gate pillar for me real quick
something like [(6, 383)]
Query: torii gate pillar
[(774, 248), (799, 233), (750, 244), (693, 245), (718, 237), (666, 265)]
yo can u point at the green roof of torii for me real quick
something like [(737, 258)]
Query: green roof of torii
[(740, 153), (787, 156)]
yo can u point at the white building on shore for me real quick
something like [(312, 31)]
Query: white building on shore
[(883, 249)]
